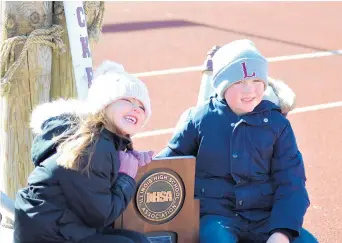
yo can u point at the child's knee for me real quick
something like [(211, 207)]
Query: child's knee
[(216, 229)]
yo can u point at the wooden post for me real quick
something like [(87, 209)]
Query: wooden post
[(33, 70), (62, 74), (25, 82)]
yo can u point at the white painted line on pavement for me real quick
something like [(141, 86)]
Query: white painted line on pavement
[(270, 59), (295, 111)]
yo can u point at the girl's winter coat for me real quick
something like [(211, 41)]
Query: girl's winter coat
[(62, 205)]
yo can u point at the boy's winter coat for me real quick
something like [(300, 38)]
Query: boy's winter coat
[(61, 205), (247, 166)]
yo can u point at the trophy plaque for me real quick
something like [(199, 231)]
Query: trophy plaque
[(164, 208)]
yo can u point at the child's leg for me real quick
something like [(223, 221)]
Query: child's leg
[(305, 237), (218, 229)]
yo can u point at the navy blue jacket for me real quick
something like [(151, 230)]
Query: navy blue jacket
[(61, 205), (246, 165)]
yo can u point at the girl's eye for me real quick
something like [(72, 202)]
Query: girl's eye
[(238, 82), (127, 100), (142, 108), (256, 81)]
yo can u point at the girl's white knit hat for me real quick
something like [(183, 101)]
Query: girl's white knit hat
[(111, 82)]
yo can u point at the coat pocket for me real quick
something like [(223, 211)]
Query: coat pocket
[(260, 150), (258, 196), (267, 189), (213, 188), (266, 196)]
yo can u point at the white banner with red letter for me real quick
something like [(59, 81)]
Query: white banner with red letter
[(79, 46)]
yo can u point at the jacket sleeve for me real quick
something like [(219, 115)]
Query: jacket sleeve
[(184, 140), (291, 197), (92, 196)]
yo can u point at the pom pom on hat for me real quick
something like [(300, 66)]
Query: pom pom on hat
[(107, 66), (236, 61), (111, 82)]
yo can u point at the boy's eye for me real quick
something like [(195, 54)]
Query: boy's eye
[(256, 81), (238, 82), (141, 107)]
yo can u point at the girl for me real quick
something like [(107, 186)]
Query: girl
[(85, 164)]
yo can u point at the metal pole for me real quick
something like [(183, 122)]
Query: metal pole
[(6, 206), (206, 88)]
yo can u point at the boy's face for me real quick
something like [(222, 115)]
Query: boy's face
[(243, 96)]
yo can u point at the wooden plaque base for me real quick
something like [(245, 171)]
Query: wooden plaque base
[(186, 222)]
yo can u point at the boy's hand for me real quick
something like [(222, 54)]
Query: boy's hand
[(144, 158), (278, 237)]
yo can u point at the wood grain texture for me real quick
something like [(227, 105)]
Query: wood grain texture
[(186, 222), (27, 90)]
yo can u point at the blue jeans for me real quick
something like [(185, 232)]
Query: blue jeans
[(219, 229)]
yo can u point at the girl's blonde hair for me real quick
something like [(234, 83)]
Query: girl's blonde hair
[(81, 143)]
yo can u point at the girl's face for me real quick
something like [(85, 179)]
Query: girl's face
[(243, 96), (127, 114)]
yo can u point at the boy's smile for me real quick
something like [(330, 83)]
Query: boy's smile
[(243, 96)]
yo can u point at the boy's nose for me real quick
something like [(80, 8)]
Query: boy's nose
[(246, 87)]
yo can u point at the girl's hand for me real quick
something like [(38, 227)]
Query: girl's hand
[(144, 158), (128, 164)]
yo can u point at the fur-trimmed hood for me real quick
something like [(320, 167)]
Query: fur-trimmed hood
[(49, 121), (280, 94), (61, 118), (56, 108)]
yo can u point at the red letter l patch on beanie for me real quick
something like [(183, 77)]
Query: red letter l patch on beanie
[(244, 68)]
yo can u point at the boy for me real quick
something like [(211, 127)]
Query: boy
[(250, 176)]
